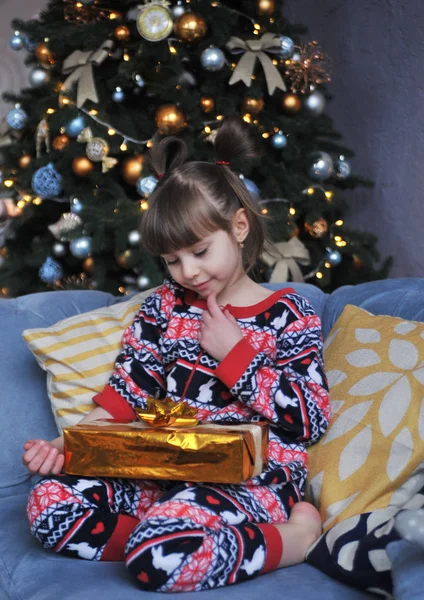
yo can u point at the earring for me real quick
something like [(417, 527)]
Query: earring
[(241, 244)]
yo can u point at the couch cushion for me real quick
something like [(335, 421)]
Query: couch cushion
[(78, 354), (24, 405), (29, 572), (375, 368)]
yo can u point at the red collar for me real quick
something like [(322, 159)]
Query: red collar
[(192, 299)]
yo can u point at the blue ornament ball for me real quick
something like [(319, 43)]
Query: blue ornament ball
[(16, 41), (212, 59), (38, 77), (76, 206), (342, 168), (118, 95), (139, 81), (50, 271), (146, 185), (80, 247), (47, 181), (251, 186), (287, 47), (17, 118), (333, 257), (74, 127), (279, 140)]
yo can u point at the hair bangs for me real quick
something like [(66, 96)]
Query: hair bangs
[(178, 216)]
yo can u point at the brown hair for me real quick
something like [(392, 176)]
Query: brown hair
[(194, 198)]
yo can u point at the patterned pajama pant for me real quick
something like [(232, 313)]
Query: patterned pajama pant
[(173, 536)]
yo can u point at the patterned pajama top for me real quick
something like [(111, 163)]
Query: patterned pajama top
[(274, 373)]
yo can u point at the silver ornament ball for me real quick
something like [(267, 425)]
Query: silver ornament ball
[(146, 185), (134, 238), (143, 282), (212, 59), (80, 247), (177, 10), (314, 104), (59, 249), (38, 77), (322, 166)]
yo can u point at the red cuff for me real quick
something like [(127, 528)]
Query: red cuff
[(114, 549), (274, 546), (234, 364), (115, 404)]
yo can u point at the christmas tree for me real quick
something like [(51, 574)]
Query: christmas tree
[(105, 76)]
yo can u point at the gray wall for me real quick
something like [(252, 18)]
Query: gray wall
[(377, 47)]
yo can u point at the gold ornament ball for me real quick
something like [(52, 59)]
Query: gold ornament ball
[(81, 166), (266, 7), (132, 168), (60, 142), (122, 33), (252, 105), (169, 119), (123, 259), (291, 103), (25, 160), (44, 55), (294, 231), (88, 265), (318, 229), (190, 27), (207, 104)]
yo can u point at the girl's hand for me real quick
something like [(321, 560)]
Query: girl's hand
[(220, 331), (42, 458)]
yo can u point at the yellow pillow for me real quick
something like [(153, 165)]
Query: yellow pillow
[(375, 441), (79, 355)]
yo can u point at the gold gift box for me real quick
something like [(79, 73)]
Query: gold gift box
[(216, 453)]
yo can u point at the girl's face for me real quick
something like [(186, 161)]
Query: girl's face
[(211, 265)]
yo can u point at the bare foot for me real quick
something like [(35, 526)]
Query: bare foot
[(299, 533)]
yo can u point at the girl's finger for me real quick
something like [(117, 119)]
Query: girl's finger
[(49, 462), (38, 460), (58, 466), (33, 451)]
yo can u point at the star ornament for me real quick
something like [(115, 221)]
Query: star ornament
[(308, 69)]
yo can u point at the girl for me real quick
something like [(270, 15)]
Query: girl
[(230, 348)]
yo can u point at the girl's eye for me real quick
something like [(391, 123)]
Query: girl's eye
[(201, 253), (171, 262)]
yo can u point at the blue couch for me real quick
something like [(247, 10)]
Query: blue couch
[(27, 571)]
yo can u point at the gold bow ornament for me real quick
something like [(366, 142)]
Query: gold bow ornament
[(79, 68), (257, 49), (289, 256), (166, 413), (97, 149)]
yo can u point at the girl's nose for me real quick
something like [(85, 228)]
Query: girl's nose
[(190, 269)]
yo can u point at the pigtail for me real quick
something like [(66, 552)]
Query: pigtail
[(166, 154), (237, 140)]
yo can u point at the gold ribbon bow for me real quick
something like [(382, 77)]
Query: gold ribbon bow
[(79, 66), (256, 49), (289, 255), (164, 413)]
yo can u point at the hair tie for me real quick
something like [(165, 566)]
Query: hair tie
[(223, 162), (160, 175)]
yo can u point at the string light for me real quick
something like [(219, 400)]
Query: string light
[(20, 204), (172, 50), (94, 112), (329, 194), (264, 211), (247, 118), (8, 183), (207, 129), (113, 16), (337, 238), (126, 57), (37, 201), (50, 111), (144, 205), (265, 135), (339, 222), (319, 275), (310, 191), (111, 131), (123, 147)]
